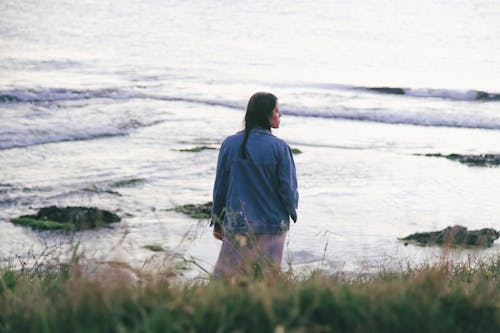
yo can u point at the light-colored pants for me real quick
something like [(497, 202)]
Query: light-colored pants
[(242, 254)]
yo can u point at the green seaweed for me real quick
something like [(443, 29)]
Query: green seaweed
[(34, 223), (154, 247), (197, 149), (197, 211)]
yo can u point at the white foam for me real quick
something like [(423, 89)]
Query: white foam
[(401, 117), (61, 94), (459, 95), (32, 137)]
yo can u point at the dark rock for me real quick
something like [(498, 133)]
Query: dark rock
[(128, 182), (456, 235), (388, 90), (480, 160), (484, 160), (197, 149), (69, 218)]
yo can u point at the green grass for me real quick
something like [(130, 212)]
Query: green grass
[(42, 224), (441, 298)]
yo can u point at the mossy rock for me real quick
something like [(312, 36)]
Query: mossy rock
[(456, 235), (197, 149), (199, 211), (67, 218)]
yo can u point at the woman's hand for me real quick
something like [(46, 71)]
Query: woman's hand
[(218, 234)]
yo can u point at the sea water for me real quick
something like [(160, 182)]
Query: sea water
[(95, 94)]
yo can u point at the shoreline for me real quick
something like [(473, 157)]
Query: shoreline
[(359, 186)]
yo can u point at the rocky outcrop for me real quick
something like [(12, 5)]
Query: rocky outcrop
[(197, 211), (456, 235), (67, 218), (483, 160)]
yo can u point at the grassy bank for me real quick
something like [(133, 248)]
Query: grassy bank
[(440, 298)]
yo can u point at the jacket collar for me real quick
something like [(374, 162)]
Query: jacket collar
[(262, 130)]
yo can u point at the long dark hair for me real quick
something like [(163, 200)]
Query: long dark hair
[(259, 109)]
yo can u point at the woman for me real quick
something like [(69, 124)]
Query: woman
[(255, 192)]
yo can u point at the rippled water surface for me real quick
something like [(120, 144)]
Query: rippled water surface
[(93, 94)]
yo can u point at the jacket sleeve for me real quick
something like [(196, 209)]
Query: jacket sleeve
[(287, 183), (220, 188)]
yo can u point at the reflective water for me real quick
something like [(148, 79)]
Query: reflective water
[(95, 93)]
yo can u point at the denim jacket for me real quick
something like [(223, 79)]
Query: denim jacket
[(257, 194)]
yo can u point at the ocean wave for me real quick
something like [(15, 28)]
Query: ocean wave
[(390, 116), (19, 138), (9, 99), (456, 95), (34, 65), (22, 142), (58, 94), (447, 94), (62, 94), (204, 101), (399, 117)]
